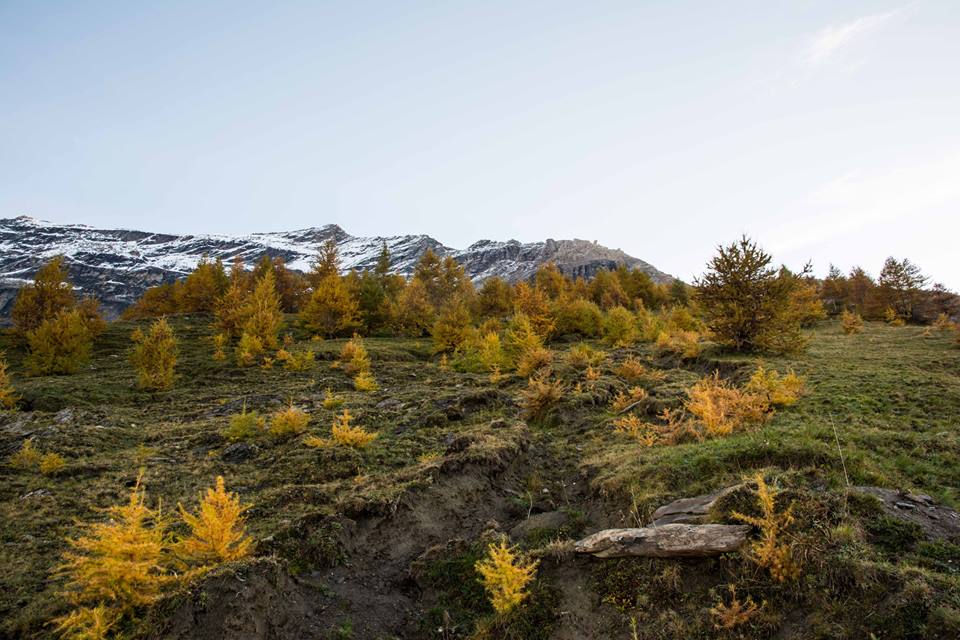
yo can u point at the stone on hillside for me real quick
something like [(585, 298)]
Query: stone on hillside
[(937, 521), (667, 541), (389, 404), (550, 520), (239, 452), (689, 510)]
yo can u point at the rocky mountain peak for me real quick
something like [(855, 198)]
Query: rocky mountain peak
[(117, 265)]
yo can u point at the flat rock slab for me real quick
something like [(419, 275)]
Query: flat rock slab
[(689, 510), (667, 541)]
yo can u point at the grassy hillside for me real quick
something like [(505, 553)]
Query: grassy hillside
[(381, 543)]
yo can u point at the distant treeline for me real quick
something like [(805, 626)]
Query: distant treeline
[(374, 302), (901, 286), (742, 302)]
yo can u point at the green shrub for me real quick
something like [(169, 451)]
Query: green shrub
[(578, 316), (620, 327), (245, 425)]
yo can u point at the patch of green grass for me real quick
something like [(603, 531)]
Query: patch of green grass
[(881, 409), (460, 597), (886, 399)]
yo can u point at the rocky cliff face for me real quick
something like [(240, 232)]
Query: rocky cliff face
[(117, 265)]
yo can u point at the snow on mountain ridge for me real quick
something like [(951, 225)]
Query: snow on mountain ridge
[(117, 265)]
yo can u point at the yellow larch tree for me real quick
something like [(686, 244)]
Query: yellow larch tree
[(505, 576), (331, 310), (217, 530), (8, 396), (115, 567), (154, 356)]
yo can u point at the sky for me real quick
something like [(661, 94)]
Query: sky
[(828, 131)]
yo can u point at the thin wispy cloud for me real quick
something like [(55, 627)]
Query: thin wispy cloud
[(828, 43), (915, 198), (828, 47)]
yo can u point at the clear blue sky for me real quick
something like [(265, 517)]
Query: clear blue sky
[(828, 130)]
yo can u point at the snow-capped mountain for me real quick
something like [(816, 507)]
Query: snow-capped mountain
[(117, 265)]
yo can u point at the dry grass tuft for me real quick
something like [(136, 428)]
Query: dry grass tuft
[(557, 549), (730, 616), (685, 344), (625, 400), (540, 396), (723, 409)]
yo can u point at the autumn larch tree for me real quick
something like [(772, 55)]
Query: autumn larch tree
[(231, 307), (154, 356), (444, 279), (606, 290), (8, 396), (550, 280), (899, 287), (413, 315), (495, 299), (452, 327), (201, 289), (637, 285), (371, 297), (331, 309), (533, 302), (834, 291), (50, 293), (263, 317), (326, 263), (748, 304), (60, 345)]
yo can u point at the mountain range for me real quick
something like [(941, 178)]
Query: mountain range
[(117, 265)]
